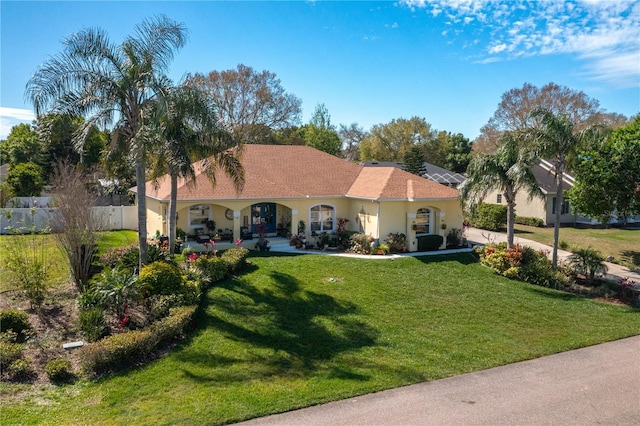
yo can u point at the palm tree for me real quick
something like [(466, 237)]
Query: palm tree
[(187, 129), (557, 137), (507, 171), (108, 83)]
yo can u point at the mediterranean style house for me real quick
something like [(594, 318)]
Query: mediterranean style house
[(287, 185)]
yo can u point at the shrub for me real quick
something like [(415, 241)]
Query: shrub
[(492, 217), (117, 287), (160, 278), (236, 259), (89, 298), (397, 242), (214, 268), (522, 263), (59, 370), (92, 323), (429, 242), (126, 257), (20, 369), (360, 243), (587, 262), (17, 321), (454, 237), (161, 304), (529, 221), (9, 351)]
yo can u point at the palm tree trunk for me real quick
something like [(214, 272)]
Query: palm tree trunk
[(172, 212), (142, 206), (556, 226), (511, 208)]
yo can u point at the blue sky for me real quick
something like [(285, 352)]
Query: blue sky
[(368, 62)]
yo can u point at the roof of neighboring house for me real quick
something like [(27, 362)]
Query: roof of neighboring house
[(544, 173), (286, 171)]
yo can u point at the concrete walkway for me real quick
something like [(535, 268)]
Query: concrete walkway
[(595, 385), (480, 236)]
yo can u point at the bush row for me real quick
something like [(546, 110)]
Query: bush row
[(492, 217), (126, 349), (522, 263), (529, 221)]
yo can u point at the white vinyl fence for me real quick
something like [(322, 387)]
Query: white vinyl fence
[(112, 218)]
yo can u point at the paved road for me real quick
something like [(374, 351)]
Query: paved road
[(595, 385), (481, 236)]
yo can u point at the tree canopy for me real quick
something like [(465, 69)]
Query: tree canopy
[(608, 175), (250, 102), (391, 141), (321, 134), (516, 106)]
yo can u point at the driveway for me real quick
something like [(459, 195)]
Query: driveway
[(480, 236), (595, 385)]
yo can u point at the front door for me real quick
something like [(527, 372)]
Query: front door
[(264, 213)]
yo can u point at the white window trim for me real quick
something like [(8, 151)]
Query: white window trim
[(333, 224), (431, 217)]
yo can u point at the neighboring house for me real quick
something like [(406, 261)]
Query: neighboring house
[(430, 171), (288, 184), (544, 209)]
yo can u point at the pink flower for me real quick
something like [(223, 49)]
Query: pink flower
[(192, 257)]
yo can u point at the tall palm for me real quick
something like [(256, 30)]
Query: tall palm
[(507, 171), (111, 84), (557, 137), (187, 129)]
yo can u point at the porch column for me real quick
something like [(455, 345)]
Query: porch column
[(236, 225), (412, 242), (442, 232), (294, 222)]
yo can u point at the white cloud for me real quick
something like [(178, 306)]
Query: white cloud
[(604, 33), (10, 117)]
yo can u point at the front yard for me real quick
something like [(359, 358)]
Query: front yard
[(622, 244), (295, 331)]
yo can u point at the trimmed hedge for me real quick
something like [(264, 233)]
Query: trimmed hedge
[(492, 217), (214, 268), (236, 259), (529, 221), (130, 348), (429, 242)]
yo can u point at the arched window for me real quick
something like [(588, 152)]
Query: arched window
[(423, 221), (321, 218)]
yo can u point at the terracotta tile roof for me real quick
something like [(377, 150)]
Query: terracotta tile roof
[(285, 171)]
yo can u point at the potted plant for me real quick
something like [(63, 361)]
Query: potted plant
[(325, 238), (263, 243)]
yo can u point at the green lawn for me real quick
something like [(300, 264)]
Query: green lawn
[(301, 330), (623, 244), (59, 268)]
